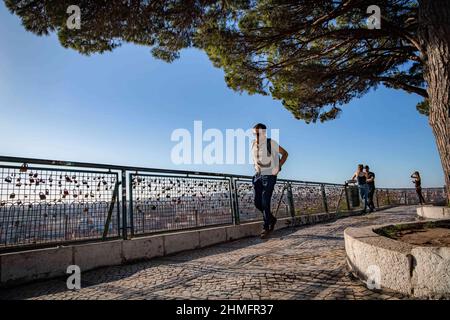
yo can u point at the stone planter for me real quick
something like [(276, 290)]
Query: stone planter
[(418, 271)]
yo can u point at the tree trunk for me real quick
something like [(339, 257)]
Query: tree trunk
[(434, 36)]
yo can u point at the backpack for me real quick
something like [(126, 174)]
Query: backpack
[(269, 147)]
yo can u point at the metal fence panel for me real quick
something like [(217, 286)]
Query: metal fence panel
[(162, 202), (246, 205), (435, 195), (381, 198), (335, 196), (64, 202), (307, 198), (49, 205)]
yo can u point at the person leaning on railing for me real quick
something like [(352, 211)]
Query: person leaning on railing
[(361, 177)]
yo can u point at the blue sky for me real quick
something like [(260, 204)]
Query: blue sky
[(122, 108)]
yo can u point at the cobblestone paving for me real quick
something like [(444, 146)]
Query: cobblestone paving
[(298, 263)]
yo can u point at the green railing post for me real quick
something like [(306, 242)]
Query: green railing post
[(324, 198), (110, 210), (290, 198), (235, 201), (231, 198), (130, 192), (124, 205)]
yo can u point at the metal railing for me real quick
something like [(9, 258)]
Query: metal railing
[(408, 196), (173, 202), (46, 203)]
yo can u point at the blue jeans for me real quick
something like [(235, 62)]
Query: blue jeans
[(364, 192), (263, 186)]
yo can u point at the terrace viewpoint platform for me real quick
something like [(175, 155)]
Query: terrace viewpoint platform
[(307, 262)]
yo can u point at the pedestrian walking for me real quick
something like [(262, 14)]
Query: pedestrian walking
[(267, 162)]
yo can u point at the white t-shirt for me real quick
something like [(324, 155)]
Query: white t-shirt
[(264, 163)]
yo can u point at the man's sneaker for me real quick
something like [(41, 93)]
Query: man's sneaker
[(264, 234), (272, 225)]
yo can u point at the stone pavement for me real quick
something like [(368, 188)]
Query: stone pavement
[(297, 263)]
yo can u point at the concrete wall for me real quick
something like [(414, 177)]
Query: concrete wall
[(422, 272), (433, 212), (366, 250), (25, 266), (431, 276)]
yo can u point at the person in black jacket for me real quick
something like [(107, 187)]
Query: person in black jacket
[(371, 183)]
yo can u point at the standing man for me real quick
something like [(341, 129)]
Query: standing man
[(371, 184), (265, 153)]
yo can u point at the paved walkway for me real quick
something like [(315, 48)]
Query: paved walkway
[(302, 263)]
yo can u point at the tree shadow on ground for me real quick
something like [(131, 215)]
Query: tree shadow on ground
[(108, 275)]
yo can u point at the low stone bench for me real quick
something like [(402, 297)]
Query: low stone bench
[(409, 269)]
